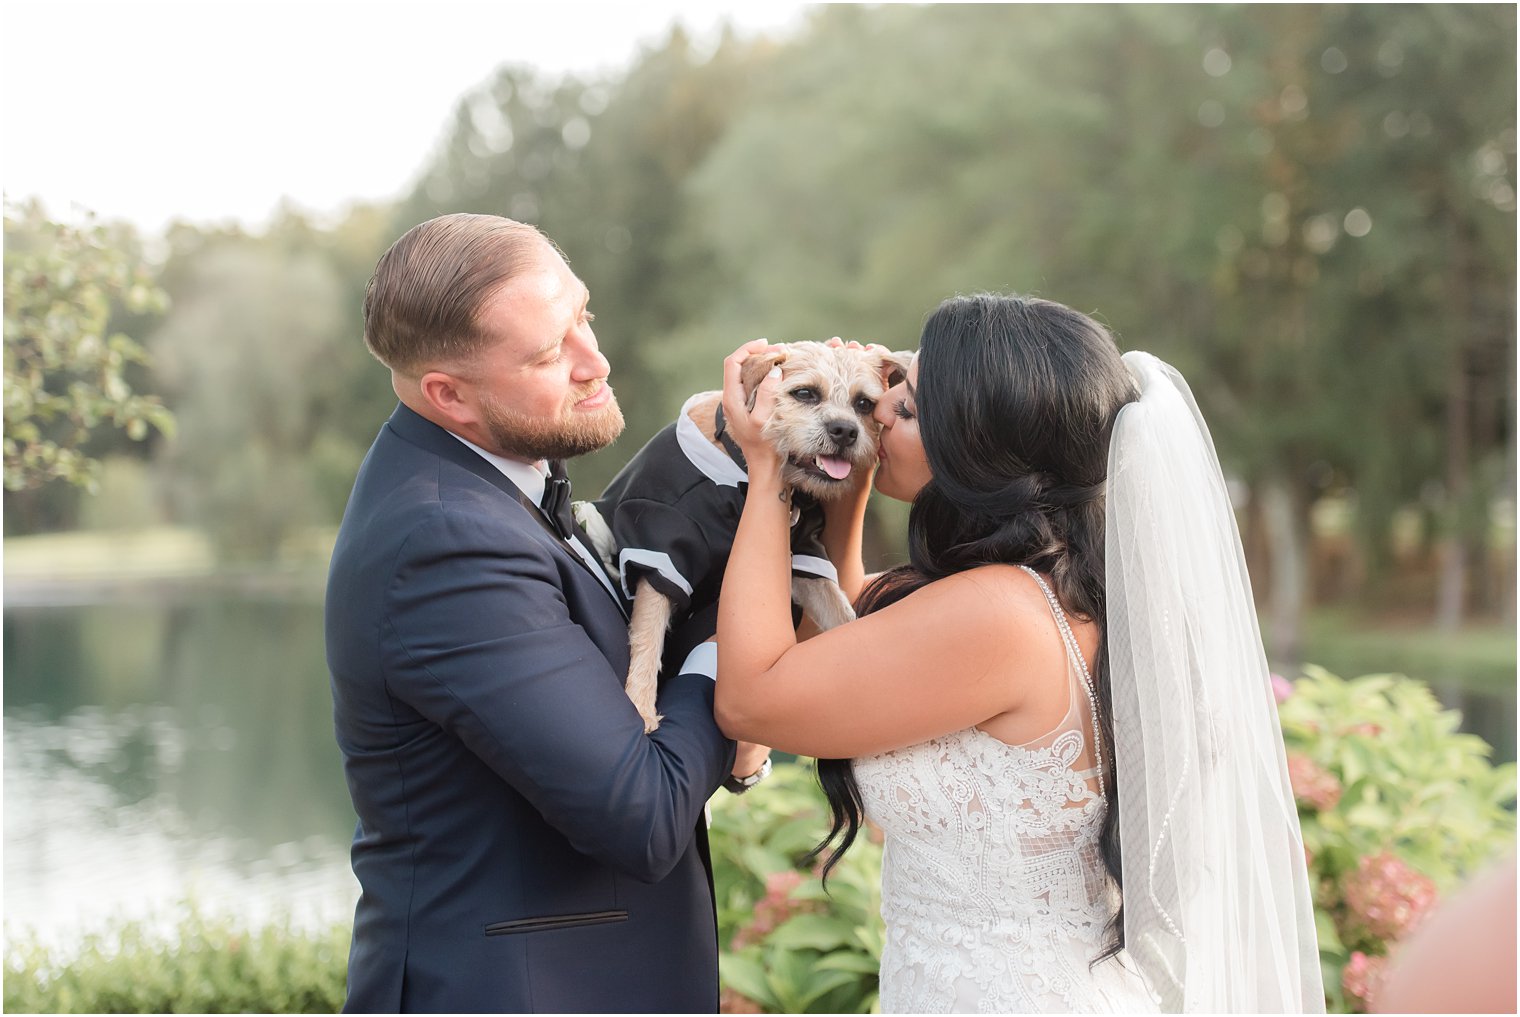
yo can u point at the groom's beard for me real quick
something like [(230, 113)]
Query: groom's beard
[(533, 438)]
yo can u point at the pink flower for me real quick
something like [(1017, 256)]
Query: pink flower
[(1362, 975), (1312, 784), (1387, 897), (1281, 688), (779, 885)]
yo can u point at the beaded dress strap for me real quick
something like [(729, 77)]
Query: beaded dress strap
[(1074, 653)]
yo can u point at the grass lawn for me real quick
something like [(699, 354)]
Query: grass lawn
[(1480, 657), (161, 551), (158, 552)]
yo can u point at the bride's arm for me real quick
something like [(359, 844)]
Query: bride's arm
[(759, 628), (843, 540), (844, 522), (944, 658)]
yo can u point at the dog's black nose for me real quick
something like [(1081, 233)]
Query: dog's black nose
[(844, 432)]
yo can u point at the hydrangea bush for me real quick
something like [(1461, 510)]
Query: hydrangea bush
[(1397, 808)]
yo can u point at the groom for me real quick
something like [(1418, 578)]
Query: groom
[(522, 845)]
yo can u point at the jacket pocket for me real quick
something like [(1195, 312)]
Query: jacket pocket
[(555, 922)]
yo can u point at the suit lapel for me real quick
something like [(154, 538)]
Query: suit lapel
[(420, 431), (427, 435)]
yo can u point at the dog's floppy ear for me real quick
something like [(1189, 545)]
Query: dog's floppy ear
[(893, 365), (754, 370)]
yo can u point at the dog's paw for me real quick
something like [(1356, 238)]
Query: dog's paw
[(652, 723)]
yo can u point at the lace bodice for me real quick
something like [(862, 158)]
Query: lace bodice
[(993, 892)]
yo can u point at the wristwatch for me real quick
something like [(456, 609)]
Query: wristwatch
[(739, 785)]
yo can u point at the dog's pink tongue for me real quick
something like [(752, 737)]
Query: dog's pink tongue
[(834, 466)]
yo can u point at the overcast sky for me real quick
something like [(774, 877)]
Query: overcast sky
[(215, 109)]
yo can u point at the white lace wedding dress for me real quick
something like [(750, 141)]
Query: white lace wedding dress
[(993, 892)]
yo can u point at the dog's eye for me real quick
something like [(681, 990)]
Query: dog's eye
[(805, 395), (864, 405)]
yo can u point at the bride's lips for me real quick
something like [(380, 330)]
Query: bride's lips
[(596, 402)]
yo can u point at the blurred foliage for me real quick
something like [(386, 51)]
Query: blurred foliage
[(210, 965), (252, 361), (1397, 808), (1309, 209), (788, 944), (65, 368)]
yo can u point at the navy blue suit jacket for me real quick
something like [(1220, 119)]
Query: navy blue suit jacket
[(522, 845)]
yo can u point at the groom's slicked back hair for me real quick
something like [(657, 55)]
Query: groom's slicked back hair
[(422, 307)]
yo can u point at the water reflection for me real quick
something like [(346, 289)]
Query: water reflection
[(161, 751)]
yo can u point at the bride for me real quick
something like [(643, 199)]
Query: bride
[(1073, 754)]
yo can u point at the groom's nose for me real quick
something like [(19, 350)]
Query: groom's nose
[(590, 364)]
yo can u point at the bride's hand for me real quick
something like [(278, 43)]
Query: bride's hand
[(743, 423)]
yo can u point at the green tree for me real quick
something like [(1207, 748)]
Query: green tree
[(256, 353), (1365, 289), (66, 371), (1310, 210)]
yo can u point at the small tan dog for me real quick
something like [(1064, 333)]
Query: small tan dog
[(665, 524)]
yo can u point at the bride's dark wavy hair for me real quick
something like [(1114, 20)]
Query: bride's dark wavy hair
[(1016, 400)]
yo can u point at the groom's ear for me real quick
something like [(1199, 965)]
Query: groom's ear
[(754, 370), (449, 398)]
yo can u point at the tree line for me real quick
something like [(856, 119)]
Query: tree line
[(1309, 210)]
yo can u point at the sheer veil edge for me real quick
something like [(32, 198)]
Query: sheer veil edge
[(1218, 912)]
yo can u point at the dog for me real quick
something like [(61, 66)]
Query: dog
[(665, 524)]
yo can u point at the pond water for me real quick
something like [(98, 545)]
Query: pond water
[(159, 752), (180, 748)]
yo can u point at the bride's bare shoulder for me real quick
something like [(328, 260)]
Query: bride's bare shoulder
[(1003, 597)]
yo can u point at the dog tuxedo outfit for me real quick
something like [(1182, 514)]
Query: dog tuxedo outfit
[(674, 509)]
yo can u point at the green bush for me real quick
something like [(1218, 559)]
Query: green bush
[(787, 945), (209, 965), (1397, 807)]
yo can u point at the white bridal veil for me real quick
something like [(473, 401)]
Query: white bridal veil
[(1218, 912)]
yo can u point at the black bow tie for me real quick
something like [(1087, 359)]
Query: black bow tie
[(556, 500)]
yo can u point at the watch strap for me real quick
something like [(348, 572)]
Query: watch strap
[(739, 785)]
